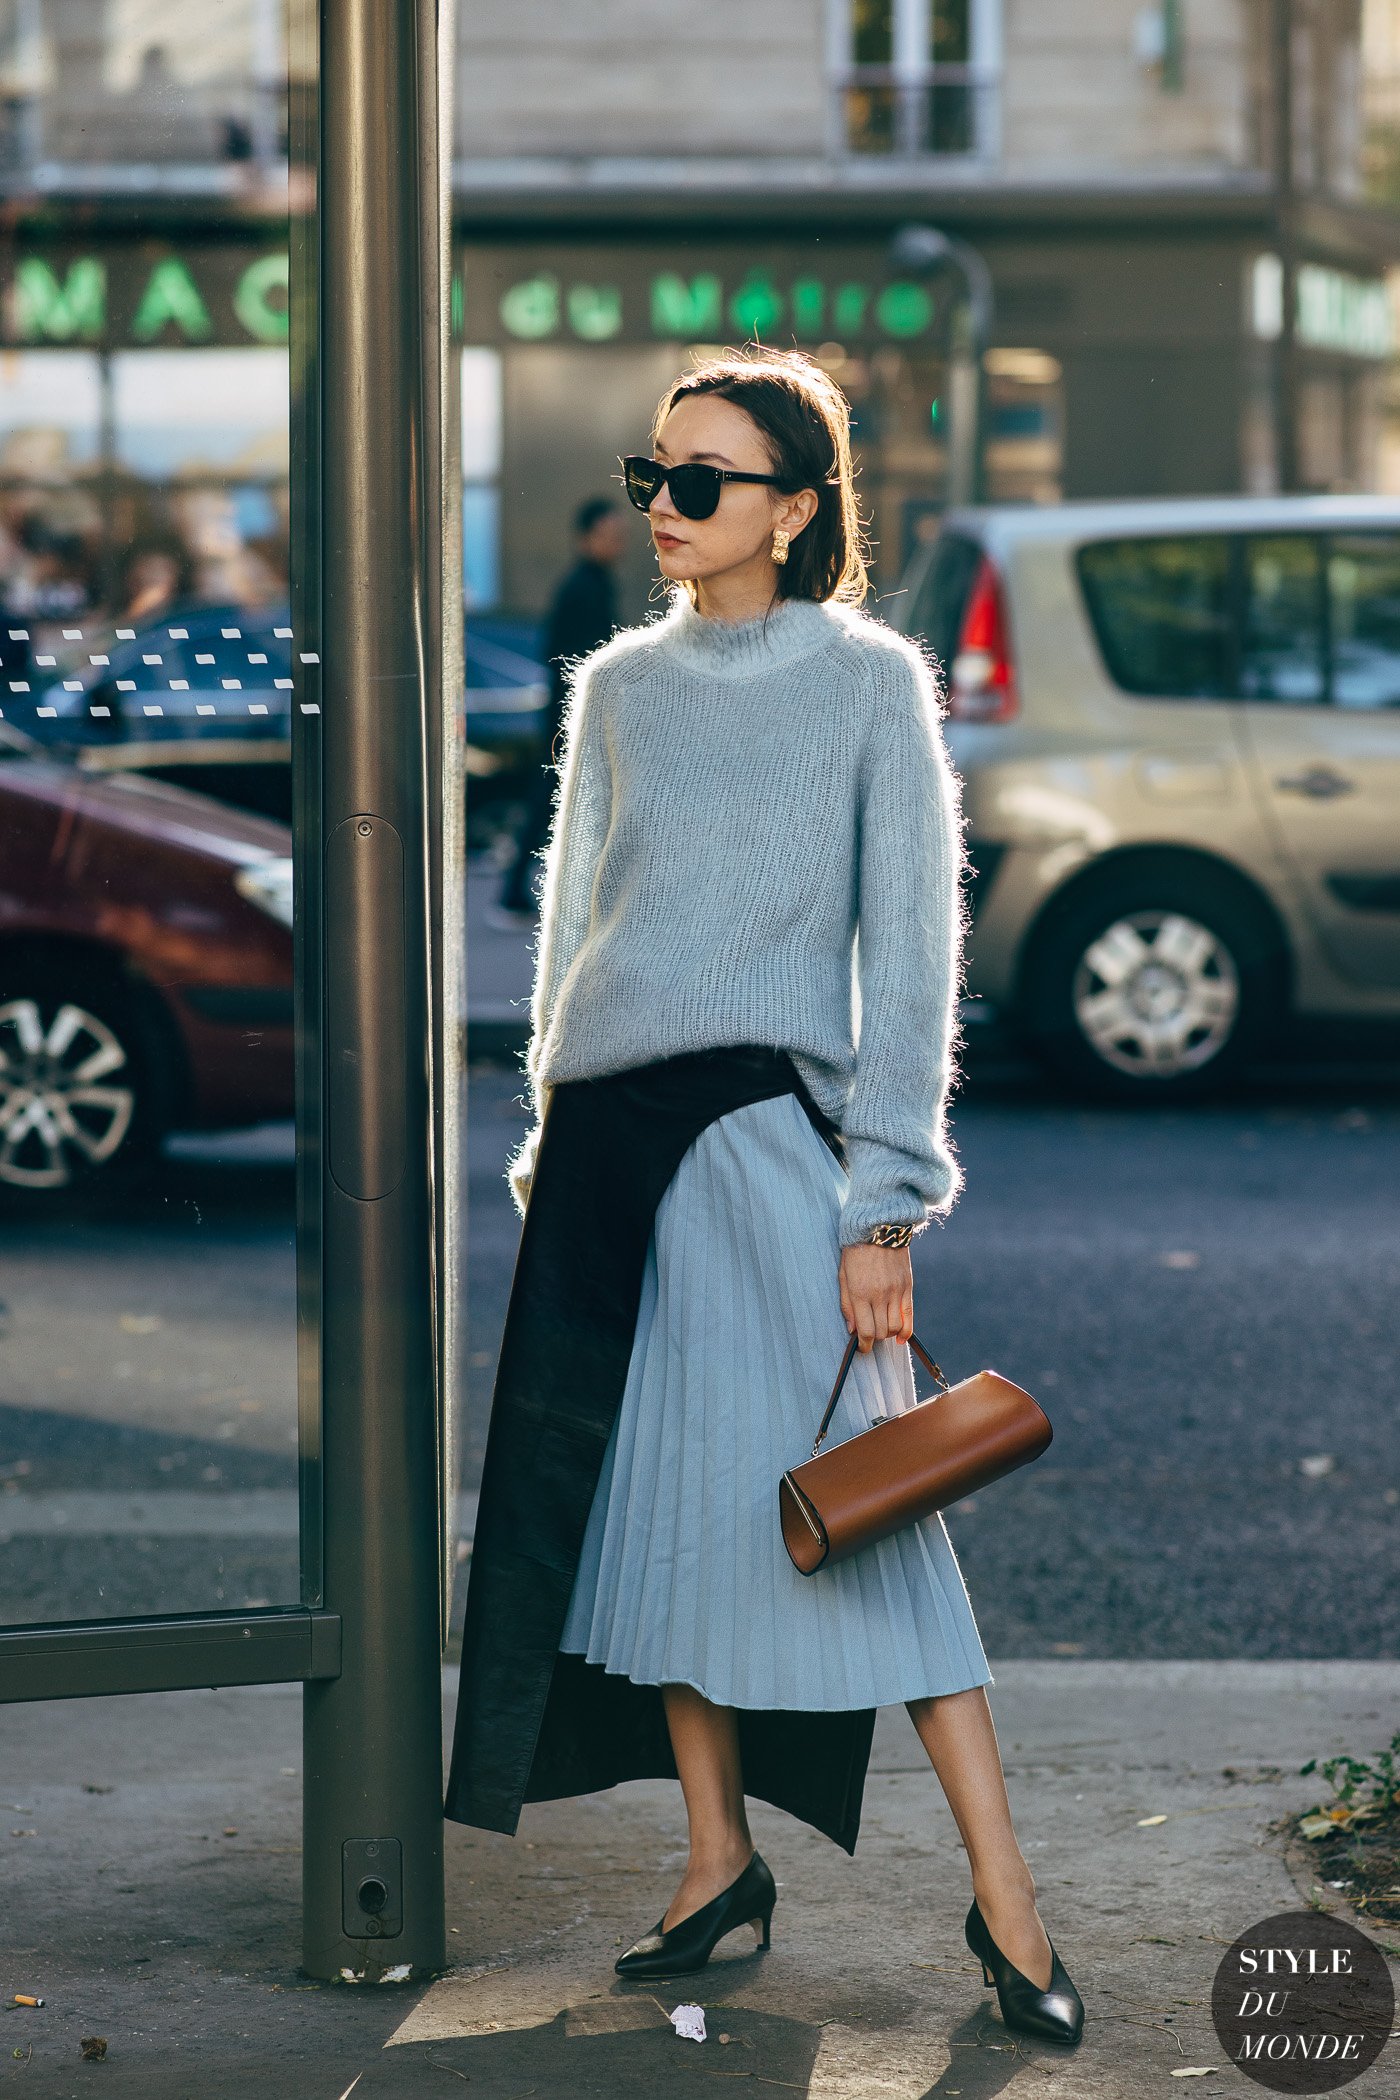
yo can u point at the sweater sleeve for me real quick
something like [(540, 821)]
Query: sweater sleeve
[(900, 1162), (582, 810)]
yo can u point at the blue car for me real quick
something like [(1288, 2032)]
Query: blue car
[(207, 672), (203, 698)]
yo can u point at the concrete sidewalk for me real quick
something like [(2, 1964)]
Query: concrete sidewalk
[(151, 1885)]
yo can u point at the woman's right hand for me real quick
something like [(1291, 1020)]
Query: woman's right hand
[(877, 1293)]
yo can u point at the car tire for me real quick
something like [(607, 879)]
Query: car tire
[(1155, 985), (80, 1085)]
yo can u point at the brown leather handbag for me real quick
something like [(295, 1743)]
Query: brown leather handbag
[(907, 1466)]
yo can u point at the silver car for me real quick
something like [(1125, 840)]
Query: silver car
[(1178, 728)]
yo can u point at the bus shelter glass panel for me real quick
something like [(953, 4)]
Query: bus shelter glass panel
[(151, 679)]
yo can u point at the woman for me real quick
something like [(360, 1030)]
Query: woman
[(719, 1190)]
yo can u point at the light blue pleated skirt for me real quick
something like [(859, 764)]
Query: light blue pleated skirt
[(683, 1576)]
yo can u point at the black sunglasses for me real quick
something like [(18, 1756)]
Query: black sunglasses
[(695, 488)]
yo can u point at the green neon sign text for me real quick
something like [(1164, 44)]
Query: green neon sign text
[(260, 298), (696, 309), (595, 311), (171, 299), (531, 310), (678, 308), (75, 309)]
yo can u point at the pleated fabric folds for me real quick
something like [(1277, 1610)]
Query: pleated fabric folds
[(682, 1575)]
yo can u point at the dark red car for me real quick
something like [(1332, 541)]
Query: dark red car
[(145, 969)]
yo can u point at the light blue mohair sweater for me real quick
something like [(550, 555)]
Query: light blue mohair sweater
[(735, 804)]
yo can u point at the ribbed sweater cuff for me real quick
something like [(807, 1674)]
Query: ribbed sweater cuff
[(882, 1192)]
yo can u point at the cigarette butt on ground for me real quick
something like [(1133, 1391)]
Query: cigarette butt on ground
[(23, 1998)]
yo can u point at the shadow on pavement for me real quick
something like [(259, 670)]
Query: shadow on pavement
[(606, 2046)]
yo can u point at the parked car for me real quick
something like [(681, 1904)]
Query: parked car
[(1178, 728), (203, 699), (145, 969)]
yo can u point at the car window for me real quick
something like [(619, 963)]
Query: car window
[(210, 683), (1363, 588), (941, 598), (1161, 610), (148, 666), (233, 659), (1282, 655)]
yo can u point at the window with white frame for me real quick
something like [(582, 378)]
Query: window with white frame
[(917, 77)]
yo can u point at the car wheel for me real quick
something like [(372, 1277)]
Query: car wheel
[(77, 1106), (1153, 987)]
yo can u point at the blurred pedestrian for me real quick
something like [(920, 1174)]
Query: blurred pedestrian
[(582, 615), (719, 1193)]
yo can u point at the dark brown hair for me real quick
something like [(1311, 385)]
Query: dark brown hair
[(805, 423)]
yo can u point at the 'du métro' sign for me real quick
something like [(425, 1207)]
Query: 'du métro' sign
[(700, 305), (149, 295)]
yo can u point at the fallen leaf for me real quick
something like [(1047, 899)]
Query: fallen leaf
[(93, 2048), (1146, 1822)]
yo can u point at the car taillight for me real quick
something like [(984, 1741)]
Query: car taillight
[(982, 684)]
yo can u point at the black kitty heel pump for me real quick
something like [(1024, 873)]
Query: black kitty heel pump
[(747, 1901), (1056, 2014)]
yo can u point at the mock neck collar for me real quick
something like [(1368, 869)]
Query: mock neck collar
[(743, 648)]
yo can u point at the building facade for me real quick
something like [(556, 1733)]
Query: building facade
[(1188, 208)]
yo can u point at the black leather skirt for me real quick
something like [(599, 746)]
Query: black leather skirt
[(534, 1723)]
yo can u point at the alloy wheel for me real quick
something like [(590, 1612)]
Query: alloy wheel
[(1156, 995), (67, 1093)]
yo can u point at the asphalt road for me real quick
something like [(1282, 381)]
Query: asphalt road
[(1203, 1299)]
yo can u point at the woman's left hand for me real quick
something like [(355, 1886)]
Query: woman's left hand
[(877, 1293)]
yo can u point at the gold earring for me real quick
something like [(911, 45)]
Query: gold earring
[(781, 542)]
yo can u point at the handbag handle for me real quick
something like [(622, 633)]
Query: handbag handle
[(852, 1345)]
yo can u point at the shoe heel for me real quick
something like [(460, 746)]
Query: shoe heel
[(987, 1977), (761, 1930)]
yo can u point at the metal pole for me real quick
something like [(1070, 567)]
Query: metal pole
[(372, 1842), (922, 251), (1285, 236), (446, 772)]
